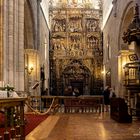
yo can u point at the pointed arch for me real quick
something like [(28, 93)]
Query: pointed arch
[(126, 19), (29, 26), (77, 75)]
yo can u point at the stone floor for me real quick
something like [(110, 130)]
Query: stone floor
[(85, 127)]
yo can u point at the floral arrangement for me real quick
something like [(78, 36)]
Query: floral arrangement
[(7, 87)]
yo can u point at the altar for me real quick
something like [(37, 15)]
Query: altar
[(4, 94), (12, 108)]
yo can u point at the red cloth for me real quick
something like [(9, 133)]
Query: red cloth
[(31, 122), (2, 120)]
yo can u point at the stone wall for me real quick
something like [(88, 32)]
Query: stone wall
[(13, 45), (38, 37), (113, 31), (13, 40)]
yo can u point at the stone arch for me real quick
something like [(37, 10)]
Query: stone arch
[(123, 49), (31, 56), (126, 20), (76, 74), (29, 26)]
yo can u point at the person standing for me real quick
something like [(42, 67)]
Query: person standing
[(112, 93), (106, 95), (42, 86), (76, 92), (45, 93)]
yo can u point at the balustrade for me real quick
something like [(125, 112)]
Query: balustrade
[(14, 125), (68, 104)]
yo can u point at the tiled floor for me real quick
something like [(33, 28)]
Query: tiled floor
[(85, 127)]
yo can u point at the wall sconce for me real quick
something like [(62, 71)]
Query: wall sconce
[(29, 69), (103, 72)]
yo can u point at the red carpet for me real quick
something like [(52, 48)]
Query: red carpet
[(32, 120)]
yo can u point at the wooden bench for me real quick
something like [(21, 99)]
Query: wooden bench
[(119, 110), (83, 104)]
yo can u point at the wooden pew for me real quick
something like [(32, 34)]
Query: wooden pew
[(119, 110)]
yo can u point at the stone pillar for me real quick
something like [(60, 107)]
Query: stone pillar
[(14, 43), (1, 40), (20, 46)]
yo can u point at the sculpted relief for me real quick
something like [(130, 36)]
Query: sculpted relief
[(76, 38)]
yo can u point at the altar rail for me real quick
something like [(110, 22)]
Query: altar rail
[(67, 104), (13, 109)]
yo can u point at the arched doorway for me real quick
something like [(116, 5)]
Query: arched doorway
[(123, 48), (131, 68), (78, 76)]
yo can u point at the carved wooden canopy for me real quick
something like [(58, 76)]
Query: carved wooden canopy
[(133, 31)]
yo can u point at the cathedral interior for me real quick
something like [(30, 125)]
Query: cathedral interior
[(51, 48)]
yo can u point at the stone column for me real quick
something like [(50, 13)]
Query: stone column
[(1, 40), (20, 46), (14, 43)]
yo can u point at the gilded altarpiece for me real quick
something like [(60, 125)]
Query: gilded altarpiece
[(75, 49)]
